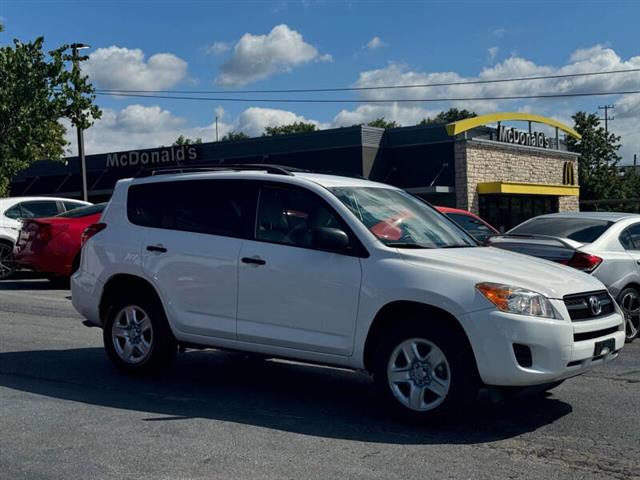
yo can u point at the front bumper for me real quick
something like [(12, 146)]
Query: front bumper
[(556, 354)]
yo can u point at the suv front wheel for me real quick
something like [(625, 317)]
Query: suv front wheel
[(422, 373), (136, 335)]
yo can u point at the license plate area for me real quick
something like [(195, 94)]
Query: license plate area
[(604, 347)]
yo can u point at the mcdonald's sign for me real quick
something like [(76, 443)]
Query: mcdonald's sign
[(568, 174)]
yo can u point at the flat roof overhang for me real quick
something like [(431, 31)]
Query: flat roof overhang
[(528, 189)]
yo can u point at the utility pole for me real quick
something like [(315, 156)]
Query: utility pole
[(216, 128), (606, 118), (83, 165)]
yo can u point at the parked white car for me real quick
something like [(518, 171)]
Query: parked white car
[(260, 259), (604, 244), (14, 209)]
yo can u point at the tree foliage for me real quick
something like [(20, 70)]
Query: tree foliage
[(182, 140), (598, 170), (382, 123), (233, 136), (36, 91), (451, 115), (296, 127)]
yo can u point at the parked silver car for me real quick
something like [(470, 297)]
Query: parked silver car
[(605, 244)]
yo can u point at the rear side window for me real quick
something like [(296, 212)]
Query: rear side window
[(39, 209), (475, 227), (84, 211), (583, 230), (630, 238), (215, 207)]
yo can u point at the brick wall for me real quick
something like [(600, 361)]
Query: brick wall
[(484, 161)]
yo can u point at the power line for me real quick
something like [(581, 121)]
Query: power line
[(381, 87), (345, 100)]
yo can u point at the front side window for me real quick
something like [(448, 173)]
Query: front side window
[(399, 220), (39, 209), (215, 207), (289, 216), (583, 230), (475, 227), (630, 238), (73, 205)]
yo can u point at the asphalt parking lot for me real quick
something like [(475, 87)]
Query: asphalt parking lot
[(66, 413)]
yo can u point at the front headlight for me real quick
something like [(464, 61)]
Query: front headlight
[(517, 300)]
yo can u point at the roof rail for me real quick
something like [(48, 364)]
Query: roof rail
[(193, 168)]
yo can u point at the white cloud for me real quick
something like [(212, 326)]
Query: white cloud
[(218, 48), (254, 120), (123, 68), (259, 56), (375, 43), (492, 52), (402, 114)]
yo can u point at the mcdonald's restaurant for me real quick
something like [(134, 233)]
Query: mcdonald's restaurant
[(506, 167)]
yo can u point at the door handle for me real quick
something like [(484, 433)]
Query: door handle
[(156, 248), (253, 261)]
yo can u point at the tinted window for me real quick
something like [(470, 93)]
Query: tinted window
[(216, 207), (583, 230), (72, 205), (39, 209), (14, 212), (472, 225), (289, 215), (630, 238), (399, 219), (84, 211)]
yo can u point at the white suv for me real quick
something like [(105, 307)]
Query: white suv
[(336, 271)]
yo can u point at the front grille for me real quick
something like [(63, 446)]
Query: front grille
[(579, 337), (580, 305)]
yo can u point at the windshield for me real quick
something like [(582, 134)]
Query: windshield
[(583, 230), (83, 211), (400, 220)]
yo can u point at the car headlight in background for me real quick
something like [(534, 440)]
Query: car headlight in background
[(517, 300)]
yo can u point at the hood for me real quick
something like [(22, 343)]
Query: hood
[(488, 264)]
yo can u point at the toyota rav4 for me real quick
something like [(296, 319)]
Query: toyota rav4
[(302, 266)]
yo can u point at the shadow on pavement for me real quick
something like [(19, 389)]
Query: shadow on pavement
[(26, 280), (291, 397)]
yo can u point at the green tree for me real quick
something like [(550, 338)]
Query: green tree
[(382, 123), (182, 140), (451, 115), (598, 170), (296, 127), (36, 91), (233, 136)]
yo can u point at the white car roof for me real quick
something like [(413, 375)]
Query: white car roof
[(607, 216), (10, 201)]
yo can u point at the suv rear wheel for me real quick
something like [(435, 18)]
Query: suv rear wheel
[(423, 373), (136, 335)]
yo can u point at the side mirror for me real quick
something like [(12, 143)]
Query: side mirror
[(332, 239)]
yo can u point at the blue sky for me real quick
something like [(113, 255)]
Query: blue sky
[(224, 45)]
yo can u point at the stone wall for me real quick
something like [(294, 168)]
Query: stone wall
[(479, 161)]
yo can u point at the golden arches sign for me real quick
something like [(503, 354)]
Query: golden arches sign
[(568, 174), (461, 126)]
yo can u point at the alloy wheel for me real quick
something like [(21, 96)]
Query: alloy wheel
[(630, 304), (6, 264), (132, 334), (419, 374)]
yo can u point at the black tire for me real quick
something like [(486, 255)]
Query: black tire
[(629, 301), (463, 381), (162, 344), (7, 267)]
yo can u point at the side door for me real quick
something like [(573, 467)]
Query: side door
[(191, 245), (292, 294), (630, 240)]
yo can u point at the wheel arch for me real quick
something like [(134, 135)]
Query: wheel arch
[(634, 285), (387, 318), (125, 282)]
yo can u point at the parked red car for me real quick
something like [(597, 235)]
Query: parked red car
[(52, 245), (473, 224)]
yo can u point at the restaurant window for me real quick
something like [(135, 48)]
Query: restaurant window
[(507, 211)]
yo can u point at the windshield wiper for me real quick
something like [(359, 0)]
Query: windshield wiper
[(406, 245)]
